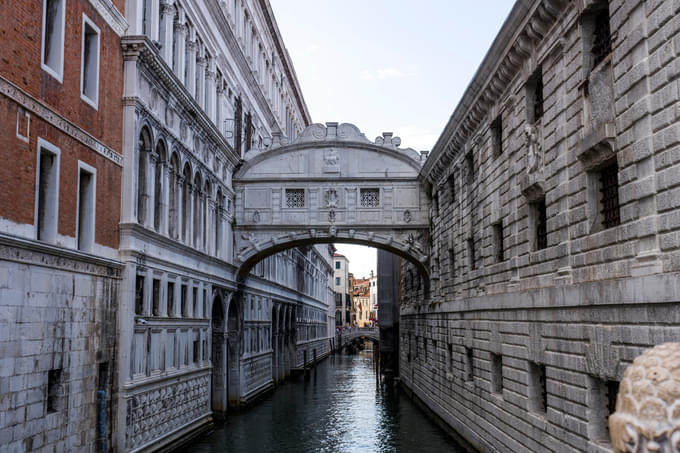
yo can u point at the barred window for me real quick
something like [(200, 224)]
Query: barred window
[(609, 188), (370, 198), (295, 198), (541, 220), (602, 44), (538, 97), (497, 136)]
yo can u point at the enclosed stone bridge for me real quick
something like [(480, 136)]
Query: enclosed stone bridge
[(331, 185), (368, 333)]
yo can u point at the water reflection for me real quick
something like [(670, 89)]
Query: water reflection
[(340, 409)]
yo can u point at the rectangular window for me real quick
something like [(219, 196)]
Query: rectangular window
[(469, 366), (47, 197), (538, 388), (295, 198), (602, 41), (540, 221), (337, 281), (534, 96), (86, 207), (496, 373), (171, 299), (183, 300), (54, 390), (601, 402), (471, 254), (451, 180), (452, 263), (103, 376), (195, 302), (498, 241), (53, 25), (470, 166), (89, 76), (337, 264), (497, 136), (156, 296), (197, 351), (609, 200), (139, 295), (370, 198)]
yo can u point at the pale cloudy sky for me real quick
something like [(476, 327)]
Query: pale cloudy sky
[(387, 65)]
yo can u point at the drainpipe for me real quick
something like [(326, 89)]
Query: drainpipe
[(101, 425)]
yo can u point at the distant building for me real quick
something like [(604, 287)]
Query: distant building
[(343, 306), (373, 297), (360, 293)]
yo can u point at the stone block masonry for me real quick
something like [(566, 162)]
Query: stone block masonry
[(58, 324), (555, 252)]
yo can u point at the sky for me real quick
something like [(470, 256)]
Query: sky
[(387, 66)]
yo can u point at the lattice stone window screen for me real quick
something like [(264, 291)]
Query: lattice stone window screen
[(295, 198), (370, 198)]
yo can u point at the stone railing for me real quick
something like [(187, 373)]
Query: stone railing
[(647, 417)]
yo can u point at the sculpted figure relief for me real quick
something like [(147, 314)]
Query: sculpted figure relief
[(647, 417), (332, 198), (534, 156)]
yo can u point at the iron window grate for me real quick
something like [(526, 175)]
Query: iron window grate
[(538, 98), (609, 187), (541, 225), (295, 198), (602, 44), (370, 198)]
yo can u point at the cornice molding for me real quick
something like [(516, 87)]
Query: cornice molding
[(140, 46), (54, 118), (111, 15), (522, 33)]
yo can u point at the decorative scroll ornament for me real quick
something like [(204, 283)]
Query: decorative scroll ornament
[(332, 198), (408, 216), (647, 417), (331, 215), (256, 217), (330, 161), (534, 152)]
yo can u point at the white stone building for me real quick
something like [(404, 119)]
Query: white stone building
[(341, 288), (204, 83)]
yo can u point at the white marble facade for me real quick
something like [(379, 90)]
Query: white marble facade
[(204, 83)]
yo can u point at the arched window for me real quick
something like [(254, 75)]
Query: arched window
[(161, 158), (206, 209), (198, 204), (218, 222), (173, 195), (186, 203), (144, 148)]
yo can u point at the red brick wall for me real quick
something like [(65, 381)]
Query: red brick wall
[(20, 35)]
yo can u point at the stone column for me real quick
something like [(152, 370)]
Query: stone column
[(210, 89), (165, 197), (200, 80), (180, 37), (188, 234), (166, 34), (180, 208), (219, 102), (190, 83)]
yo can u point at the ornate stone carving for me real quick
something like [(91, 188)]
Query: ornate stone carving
[(169, 117), (156, 412), (183, 130), (330, 161), (256, 217), (408, 216), (331, 198), (534, 151), (647, 417), (331, 215)]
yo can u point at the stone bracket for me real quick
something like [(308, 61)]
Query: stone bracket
[(598, 147)]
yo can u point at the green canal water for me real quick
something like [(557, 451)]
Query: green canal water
[(340, 408)]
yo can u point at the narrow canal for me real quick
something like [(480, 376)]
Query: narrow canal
[(339, 409)]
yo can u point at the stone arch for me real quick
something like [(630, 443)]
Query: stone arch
[(173, 195), (198, 208), (234, 328), (159, 209), (206, 205), (144, 148), (186, 203), (219, 356)]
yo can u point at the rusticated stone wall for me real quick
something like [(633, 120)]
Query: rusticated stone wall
[(522, 339)]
